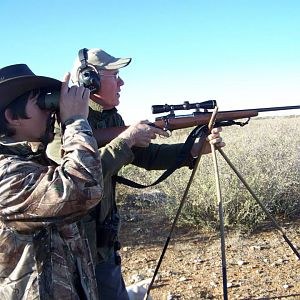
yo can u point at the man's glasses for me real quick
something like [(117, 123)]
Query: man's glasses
[(115, 76)]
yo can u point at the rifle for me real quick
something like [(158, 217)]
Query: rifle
[(200, 116)]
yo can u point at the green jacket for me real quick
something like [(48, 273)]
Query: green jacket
[(113, 157)]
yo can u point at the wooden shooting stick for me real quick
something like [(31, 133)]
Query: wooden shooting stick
[(221, 219), (220, 208), (183, 199)]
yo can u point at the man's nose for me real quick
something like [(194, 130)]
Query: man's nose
[(120, 81)]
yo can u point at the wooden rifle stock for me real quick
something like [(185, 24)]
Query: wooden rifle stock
[(179, 122), (105, 135)]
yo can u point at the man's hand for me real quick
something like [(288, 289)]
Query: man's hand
[(73, 101), (141, 134), (214, 138)]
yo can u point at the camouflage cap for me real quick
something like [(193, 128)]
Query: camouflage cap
[(15, 80), (101, 60)]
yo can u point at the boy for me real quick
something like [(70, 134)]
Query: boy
[(43, 252)]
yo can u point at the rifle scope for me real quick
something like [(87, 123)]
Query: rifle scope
[(209, 104)]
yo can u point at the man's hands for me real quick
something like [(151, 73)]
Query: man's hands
[(214, 138), (141, 134), (73, 101)]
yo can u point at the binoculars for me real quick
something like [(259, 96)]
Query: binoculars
[(49, 101)]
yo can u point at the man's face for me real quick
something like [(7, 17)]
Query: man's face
[(33, 129), (109, 93)]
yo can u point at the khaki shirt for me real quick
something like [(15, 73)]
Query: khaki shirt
[(44, 253)]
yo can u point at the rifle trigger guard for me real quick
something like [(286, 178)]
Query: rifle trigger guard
[(169, 132), (166, 123)]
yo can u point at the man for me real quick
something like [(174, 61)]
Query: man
[(100, 72), (44, 254)]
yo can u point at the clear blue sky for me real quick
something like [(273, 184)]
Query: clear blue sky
[(243, 53)]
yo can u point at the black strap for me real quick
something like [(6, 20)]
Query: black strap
[(181, 158), (82, 54)]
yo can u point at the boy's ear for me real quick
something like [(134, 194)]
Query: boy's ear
[(9, 117)]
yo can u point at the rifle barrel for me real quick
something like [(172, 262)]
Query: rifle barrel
[(278, 108)]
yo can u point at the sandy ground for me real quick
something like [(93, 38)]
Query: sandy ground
[(259, 266)]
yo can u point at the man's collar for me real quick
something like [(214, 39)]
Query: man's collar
[(95, 106), (110, 111), (99, 108)]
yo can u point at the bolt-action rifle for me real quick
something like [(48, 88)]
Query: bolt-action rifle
[(200, 116)]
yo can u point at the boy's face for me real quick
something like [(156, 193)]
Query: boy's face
[(33, 129)]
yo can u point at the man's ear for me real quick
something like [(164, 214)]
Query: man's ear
[(10, 119)]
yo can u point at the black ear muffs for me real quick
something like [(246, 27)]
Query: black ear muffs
[(87, 74)]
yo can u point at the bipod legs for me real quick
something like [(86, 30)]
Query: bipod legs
[(281, 231), (221, 214), (221, 218)]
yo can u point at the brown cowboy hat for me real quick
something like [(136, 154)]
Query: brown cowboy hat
[(15, 80)]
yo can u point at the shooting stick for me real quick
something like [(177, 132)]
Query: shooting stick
[(222, 120), (202, 139), (221, 218), (204, 130)]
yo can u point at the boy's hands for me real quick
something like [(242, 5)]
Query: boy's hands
[(73, 101)]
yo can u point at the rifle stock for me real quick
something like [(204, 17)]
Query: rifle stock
[(202, 118), (105, 135)]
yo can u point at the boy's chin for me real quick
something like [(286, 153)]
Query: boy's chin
[(51, 137)]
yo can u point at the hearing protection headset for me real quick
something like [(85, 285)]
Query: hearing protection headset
[(87, 74)]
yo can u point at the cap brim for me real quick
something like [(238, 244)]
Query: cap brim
[(117, 64), (12, 88)]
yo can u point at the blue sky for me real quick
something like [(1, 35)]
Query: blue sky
[(243, 53)]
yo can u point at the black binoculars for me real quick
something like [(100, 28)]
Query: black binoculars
[(49, 101)]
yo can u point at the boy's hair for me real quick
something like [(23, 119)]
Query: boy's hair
[(18, 110)]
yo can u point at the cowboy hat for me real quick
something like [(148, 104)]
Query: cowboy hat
[(15, 80)]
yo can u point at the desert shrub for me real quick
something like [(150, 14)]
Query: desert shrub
[(267, 154)]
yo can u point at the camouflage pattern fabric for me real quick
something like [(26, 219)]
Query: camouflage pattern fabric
[(44, 253), (113, 157)]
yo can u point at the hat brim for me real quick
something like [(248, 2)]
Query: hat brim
[(13, 88), (117, 64)]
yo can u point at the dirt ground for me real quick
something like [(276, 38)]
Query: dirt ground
[(259, 266)]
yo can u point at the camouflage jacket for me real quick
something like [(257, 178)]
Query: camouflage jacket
[(44, 253), (114, 156)]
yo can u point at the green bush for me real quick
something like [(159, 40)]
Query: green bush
[(267, 154)]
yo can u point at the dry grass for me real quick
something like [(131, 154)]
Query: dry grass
[(267, 154)]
